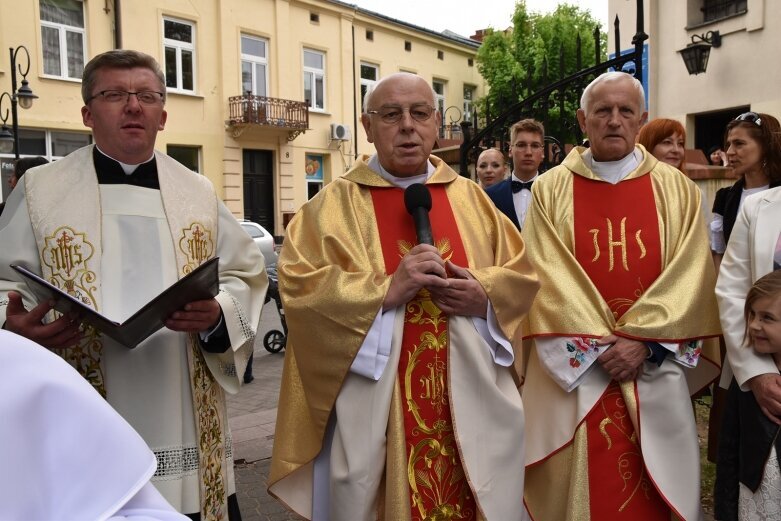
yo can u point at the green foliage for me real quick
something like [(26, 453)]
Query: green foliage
[(513, 62)]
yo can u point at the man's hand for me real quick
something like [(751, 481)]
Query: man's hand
[(421, 267), (767, 391), (463, 296), (195, 317), (624, 360), (63, 332)]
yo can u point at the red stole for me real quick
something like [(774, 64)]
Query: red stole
[(617, 244), (438, 485)]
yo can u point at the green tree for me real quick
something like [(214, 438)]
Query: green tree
[(512, 62)]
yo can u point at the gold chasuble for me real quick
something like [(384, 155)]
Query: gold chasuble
[(440, 434), (630, 259), (436, 476)]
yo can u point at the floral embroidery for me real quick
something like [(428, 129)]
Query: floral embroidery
[(690, 351), (578, 348)]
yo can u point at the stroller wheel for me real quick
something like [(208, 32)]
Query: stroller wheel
[(274, 341)]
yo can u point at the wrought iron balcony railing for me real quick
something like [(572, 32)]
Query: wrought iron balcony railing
[(250, 109)]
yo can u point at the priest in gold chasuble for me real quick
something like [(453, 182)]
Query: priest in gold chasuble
[(398, 400), (620, 326)]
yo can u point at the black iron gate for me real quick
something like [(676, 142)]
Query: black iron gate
[(552, 101)]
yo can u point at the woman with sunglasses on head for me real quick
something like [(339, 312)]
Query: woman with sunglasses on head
[(665, 139), (752, 142)]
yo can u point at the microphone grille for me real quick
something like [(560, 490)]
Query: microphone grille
[(417, 195)]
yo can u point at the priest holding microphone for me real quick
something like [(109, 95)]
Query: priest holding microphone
[(404, 291)]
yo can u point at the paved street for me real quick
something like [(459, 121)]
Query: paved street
[(251, 414)]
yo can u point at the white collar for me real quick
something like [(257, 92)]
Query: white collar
[(514, 177), (401, 182), (613, 171), (127, 168)]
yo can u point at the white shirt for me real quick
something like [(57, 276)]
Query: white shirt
[(522, 198)]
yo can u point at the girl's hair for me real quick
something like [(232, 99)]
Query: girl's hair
[(765, 130), (657, 130), (767, 286)]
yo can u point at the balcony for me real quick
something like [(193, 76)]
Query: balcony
[(259, 112)]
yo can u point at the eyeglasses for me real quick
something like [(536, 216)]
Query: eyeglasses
[(393, 113), (751, 117), (146, 97), (533, 146)]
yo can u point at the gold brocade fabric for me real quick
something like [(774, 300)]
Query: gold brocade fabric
[(333, 282), (569, 304)]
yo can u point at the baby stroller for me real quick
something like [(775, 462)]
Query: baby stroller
[(274, 341)]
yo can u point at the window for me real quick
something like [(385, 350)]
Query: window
[(254, 64), (469, 96), (717, 9), (51, 144), (440, 55), (369, 75), (314, 174), (314, 18), (439, 89), (370, 35), (470, 62), (179, 50), (62, 36), (314, 79), (407, 46), (189, 156)]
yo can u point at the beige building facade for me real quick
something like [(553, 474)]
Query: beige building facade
[(741, 74), (263, 95)]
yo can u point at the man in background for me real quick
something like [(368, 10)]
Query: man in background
[(21, 166), (513, 195)]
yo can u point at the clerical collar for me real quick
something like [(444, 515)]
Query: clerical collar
[(127, 168), (401, 182), (514, 177), (613, 171), (112, 172)]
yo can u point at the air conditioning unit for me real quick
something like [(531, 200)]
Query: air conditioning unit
[(340, 132)]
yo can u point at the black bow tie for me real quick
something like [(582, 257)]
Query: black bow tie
[(520, 185)]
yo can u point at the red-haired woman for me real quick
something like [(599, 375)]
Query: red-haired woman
[(665, 139)]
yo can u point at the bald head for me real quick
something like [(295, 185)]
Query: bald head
[(401, 120)]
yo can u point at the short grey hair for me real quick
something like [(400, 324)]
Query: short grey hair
[(607, 77), (371, 88), (118, 59)]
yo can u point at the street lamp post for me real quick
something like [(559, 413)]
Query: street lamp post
[(23, 96)]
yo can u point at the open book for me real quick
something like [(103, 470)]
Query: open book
[(200, 284)]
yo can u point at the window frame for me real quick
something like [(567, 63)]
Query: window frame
[(198, 155), (469, 101), (62, 42), (366, 82), (178, 47), (439, 99), (315, 74), (254, 61)]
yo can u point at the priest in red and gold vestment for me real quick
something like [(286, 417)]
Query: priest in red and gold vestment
[(398, 400), (619, 327)]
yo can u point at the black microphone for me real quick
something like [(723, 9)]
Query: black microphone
[(417, 199)]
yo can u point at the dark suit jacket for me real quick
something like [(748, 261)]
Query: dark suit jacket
[(502, 196)]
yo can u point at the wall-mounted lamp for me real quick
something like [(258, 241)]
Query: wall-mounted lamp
[(696, 54)]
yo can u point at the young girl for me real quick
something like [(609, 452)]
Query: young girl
[(748, 481)]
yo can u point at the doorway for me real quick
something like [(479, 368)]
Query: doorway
[(709, 127), (259, 187)]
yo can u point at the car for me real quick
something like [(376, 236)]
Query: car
[(262, 239)]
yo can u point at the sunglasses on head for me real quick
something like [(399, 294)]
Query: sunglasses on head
[(751, 117)]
